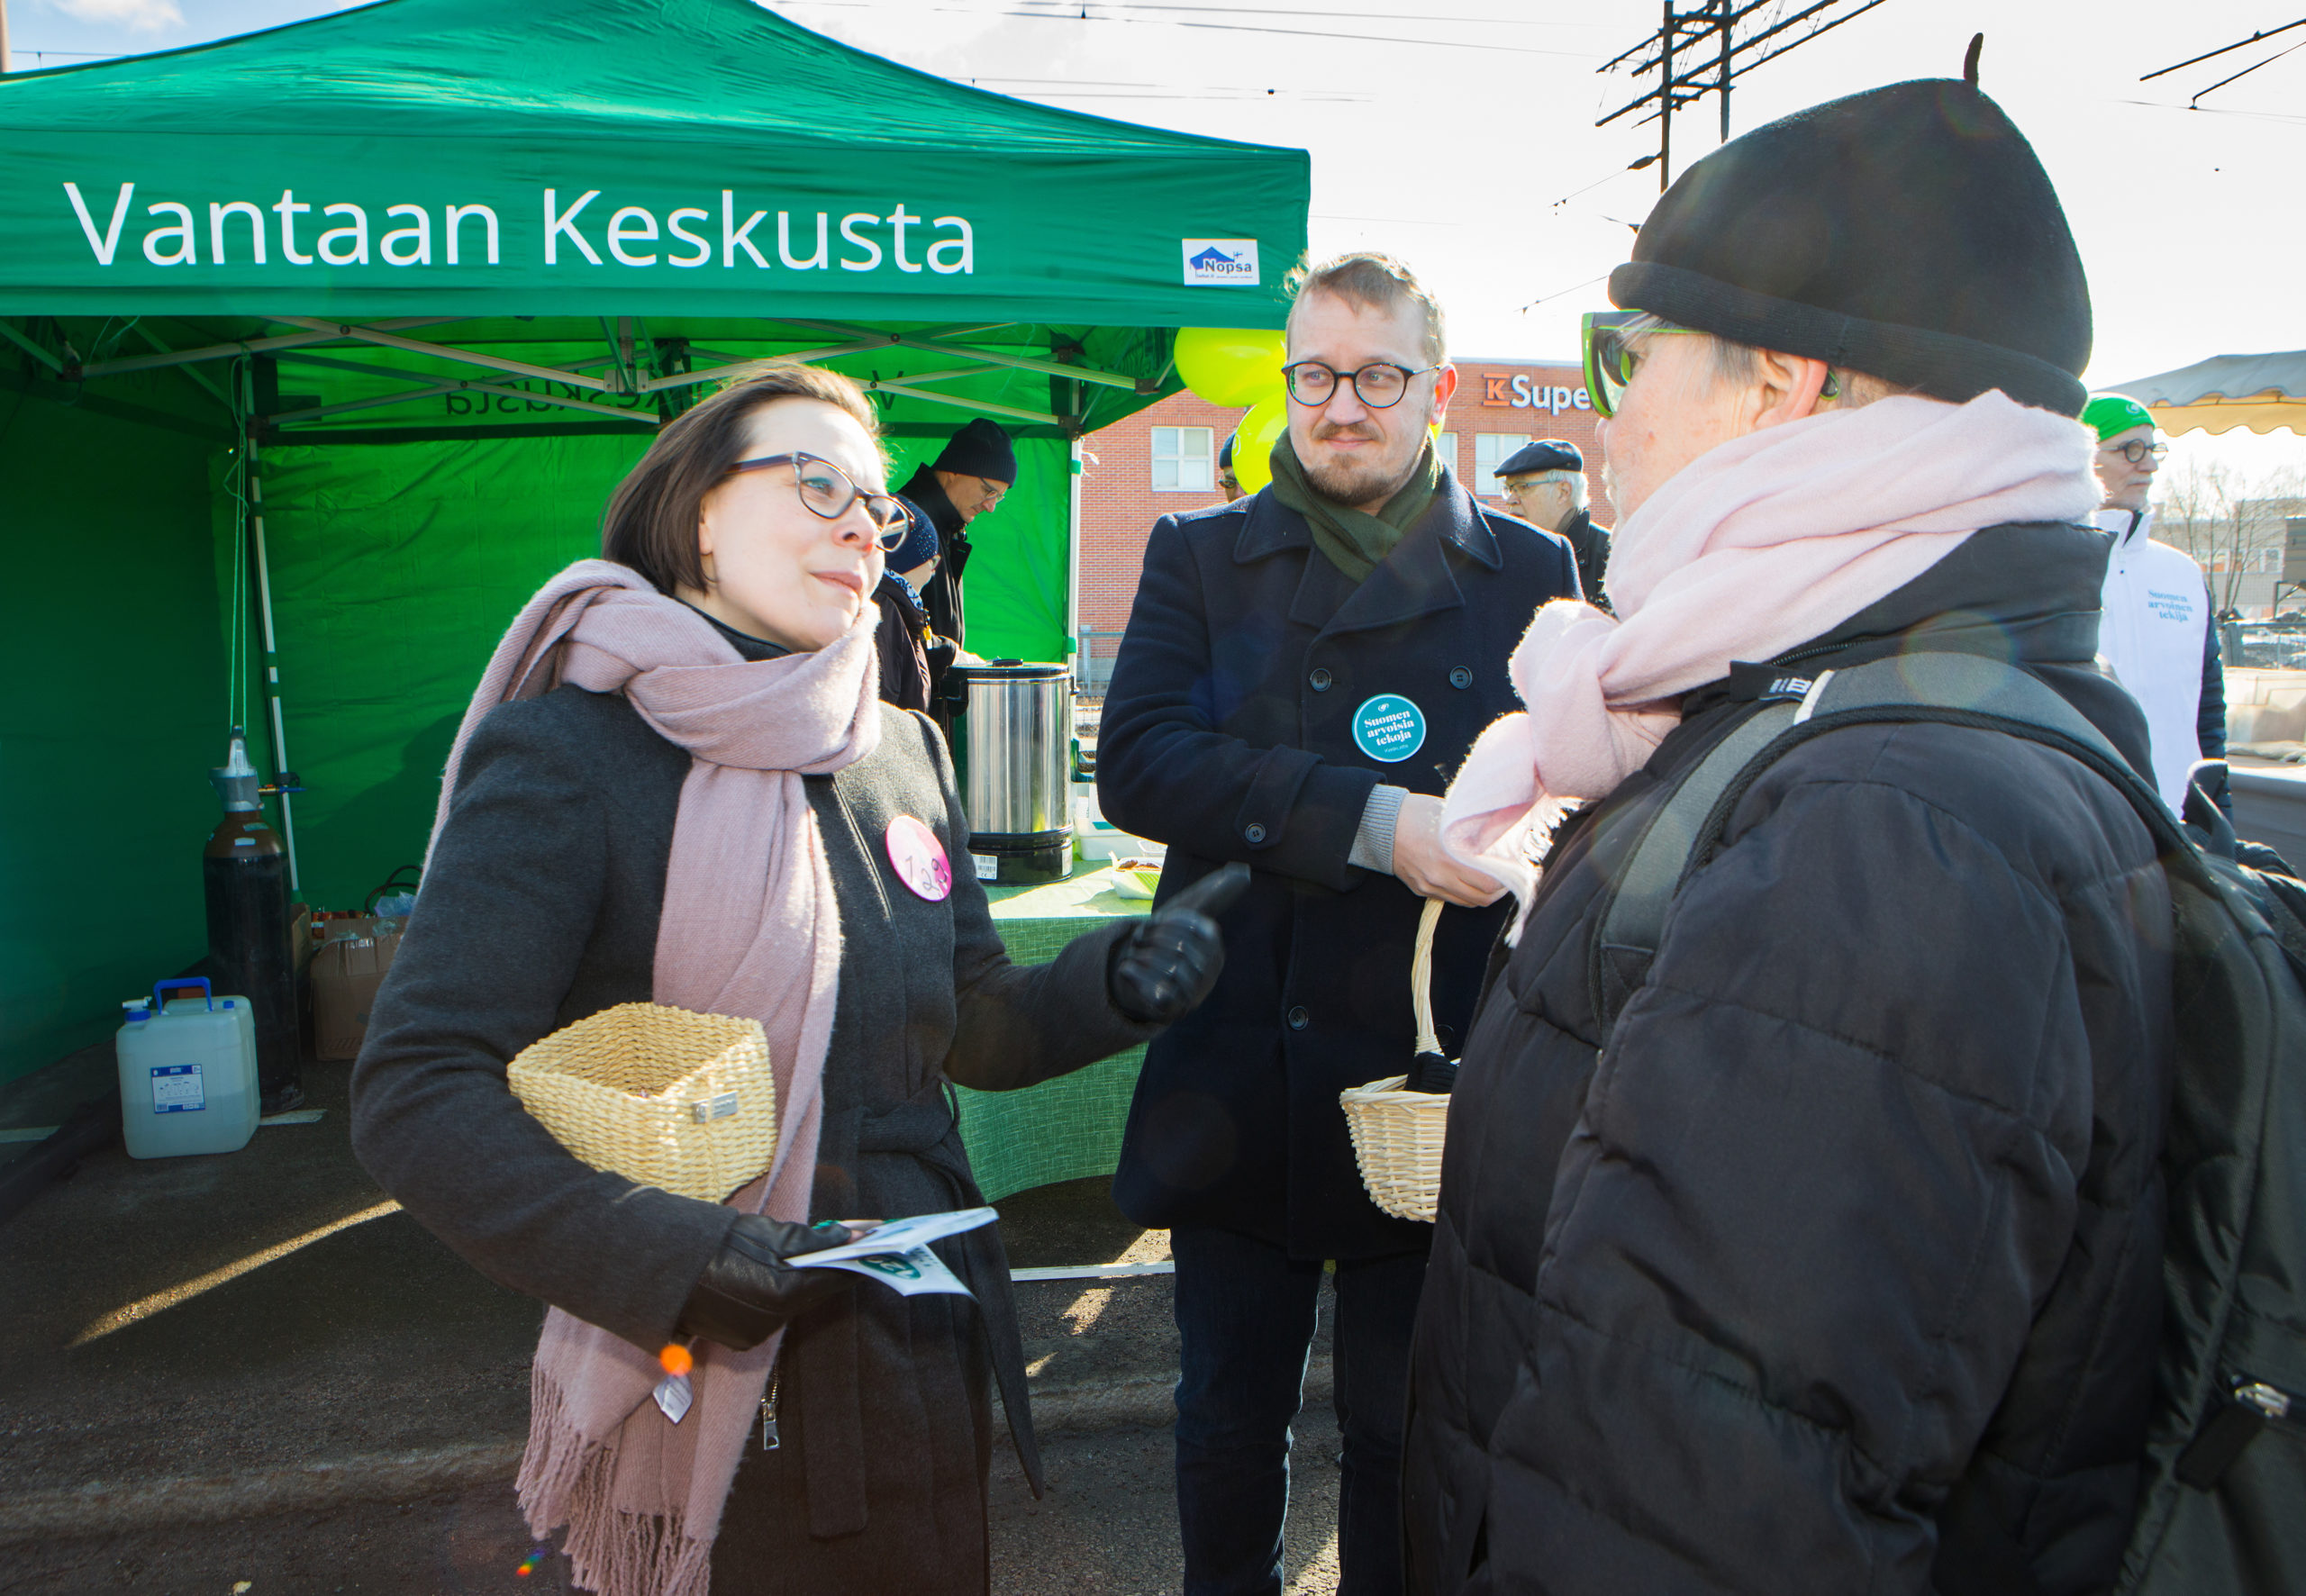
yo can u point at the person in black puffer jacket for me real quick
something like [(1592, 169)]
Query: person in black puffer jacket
[(1841, 1270)]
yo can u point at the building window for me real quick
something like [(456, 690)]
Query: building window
[(1184, 459), (1445, 449), (1491, 451)]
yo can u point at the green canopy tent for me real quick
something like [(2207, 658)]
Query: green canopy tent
[(320, 347)]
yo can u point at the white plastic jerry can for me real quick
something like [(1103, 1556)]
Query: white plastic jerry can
[(187, 1073)]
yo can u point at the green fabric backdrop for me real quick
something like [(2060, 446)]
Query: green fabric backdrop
[(395, 568), (113, 718)]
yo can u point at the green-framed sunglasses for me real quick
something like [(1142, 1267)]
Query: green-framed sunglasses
[(1608, 363), (1611, 359), (1610, 355)]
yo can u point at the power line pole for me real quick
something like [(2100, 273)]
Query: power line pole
[(1665, 101), (1723, 88), (1746, 39)]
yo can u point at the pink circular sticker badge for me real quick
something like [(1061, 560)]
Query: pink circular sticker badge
[(919, 859)]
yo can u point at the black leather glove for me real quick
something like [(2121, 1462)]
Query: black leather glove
[(748, 1291), (1159, 973)]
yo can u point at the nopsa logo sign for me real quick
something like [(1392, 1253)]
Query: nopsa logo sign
[(1231, 261)]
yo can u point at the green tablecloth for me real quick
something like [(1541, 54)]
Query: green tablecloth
[(1070, 1127)]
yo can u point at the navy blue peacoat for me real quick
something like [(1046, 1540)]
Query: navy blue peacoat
[(1228, 733)]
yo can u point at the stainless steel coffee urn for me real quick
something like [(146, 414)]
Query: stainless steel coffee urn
[(1014, 762)]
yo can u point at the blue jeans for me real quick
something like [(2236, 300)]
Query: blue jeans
[(1245, 1315)]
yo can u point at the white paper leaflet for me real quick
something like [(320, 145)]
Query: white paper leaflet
[(897, 1253)]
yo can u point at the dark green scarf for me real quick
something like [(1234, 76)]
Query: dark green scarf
[(1354, 540)]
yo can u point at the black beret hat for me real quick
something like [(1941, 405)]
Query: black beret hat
[(1907, 232), (1546, 454), (981, 448)]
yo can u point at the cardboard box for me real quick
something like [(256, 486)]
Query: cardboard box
[(346, 975)]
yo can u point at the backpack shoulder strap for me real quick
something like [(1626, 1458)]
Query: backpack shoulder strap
[(1959, 689)]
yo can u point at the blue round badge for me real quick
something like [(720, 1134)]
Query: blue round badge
[(1388, 728)]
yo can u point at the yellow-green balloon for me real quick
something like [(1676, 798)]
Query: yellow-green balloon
[(1253, 442), (1229, 365)]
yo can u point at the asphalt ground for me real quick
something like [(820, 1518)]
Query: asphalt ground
[(252, 1367), (1107, 1525)]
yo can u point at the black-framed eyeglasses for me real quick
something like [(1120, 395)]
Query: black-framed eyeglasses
[(825, 489), (1379, 385), (2135, 450)]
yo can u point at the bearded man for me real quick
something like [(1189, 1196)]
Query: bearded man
[(1301, 671), (1840, 1268)]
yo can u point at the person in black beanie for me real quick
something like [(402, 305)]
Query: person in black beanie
[(967, 479), (1808, 1235), (908, 646)]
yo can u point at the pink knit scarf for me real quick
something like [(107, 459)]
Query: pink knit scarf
[(1763, 543), (748, 927)]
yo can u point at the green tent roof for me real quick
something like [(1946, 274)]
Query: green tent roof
[(653, 157)]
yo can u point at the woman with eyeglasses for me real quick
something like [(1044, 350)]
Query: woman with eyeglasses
[(676, 784)]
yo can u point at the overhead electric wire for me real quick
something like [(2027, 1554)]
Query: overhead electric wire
[(2223, 50), (1705, 79), (1631, 166), (1058, 16), (2245, 71), (2215, 110), (1369, 16), (1558, 292), (1088, 88)]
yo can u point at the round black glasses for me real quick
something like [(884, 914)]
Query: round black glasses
[(1379, 385), (2136, 450), (825, 489)]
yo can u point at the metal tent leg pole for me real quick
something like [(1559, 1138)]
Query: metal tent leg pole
[(1073, 570), (272, 664)]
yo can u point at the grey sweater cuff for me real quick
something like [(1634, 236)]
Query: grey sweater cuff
[(1373, 844)]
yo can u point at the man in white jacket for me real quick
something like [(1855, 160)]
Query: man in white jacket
[(2157, 635)]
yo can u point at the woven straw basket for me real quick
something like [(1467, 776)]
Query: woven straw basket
[(1397, 1134), (662, 1096)]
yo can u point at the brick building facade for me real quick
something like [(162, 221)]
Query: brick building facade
[(1161, 461)]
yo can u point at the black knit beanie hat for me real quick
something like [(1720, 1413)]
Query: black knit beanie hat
[(1907, 232), (983, 450), (920, 545)]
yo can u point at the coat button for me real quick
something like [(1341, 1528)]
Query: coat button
[(1461, 677), (1298, 1018), (1254, 832), (1320, 681)]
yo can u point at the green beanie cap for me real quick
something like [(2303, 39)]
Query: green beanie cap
[(2111, 414)]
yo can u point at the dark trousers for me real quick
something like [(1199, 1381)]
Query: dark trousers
[(1245, 1315)]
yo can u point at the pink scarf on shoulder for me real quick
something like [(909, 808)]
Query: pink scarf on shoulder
[(1763, 543), (749, 926)]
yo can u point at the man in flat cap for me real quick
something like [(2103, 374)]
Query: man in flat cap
[(967, 479), (1545, 485), (1839, 1267), (2158, 634), (1228, 483)]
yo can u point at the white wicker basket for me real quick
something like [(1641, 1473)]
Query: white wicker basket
[(1397, 1134), (668, 1097)]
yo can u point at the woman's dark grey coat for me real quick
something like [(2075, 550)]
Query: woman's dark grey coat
[(540, 907)]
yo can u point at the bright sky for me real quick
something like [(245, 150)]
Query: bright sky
[(1464, 142)]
